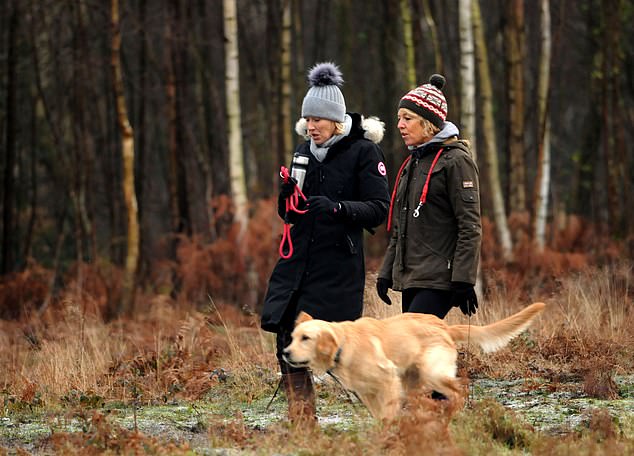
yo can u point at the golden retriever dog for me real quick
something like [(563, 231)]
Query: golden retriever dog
[(381, 361)]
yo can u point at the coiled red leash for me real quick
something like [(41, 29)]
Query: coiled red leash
[(291, 205)]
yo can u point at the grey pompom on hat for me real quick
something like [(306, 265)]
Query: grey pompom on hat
[(324, 98)]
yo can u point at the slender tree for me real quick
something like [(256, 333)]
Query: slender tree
[(285, 81), (236, 160), (468, 89), (467, 75), (490, 144), (177, 153), (127, 148), (8, 235), (542, 179), (408, 41), (427, 22), (515, 57), (613, 145), (82, 149), (141, 127), (232, 81)]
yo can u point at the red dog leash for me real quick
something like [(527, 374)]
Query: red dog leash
[(423, 196), (291, 206)]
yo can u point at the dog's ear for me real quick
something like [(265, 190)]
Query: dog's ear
[(302, 317), (326, 345)]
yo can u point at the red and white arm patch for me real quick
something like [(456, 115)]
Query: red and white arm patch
[(381, 168)]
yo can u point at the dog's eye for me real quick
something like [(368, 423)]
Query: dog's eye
[(305, 337)]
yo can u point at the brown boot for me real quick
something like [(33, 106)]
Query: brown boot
[(300, 395)]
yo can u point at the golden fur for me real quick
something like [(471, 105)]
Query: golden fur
[(382, 360)]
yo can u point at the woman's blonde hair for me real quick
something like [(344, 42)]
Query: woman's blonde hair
[(339, 128)]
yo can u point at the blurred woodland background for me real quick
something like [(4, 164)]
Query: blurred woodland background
[(142, 139)]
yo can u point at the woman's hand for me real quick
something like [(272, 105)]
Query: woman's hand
[(382, 285), (464, 296), (287, 188), (322, 205)]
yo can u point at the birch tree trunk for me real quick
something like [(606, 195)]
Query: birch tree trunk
[(467, 75), (127, 146), (236, 160), (467, 92), (408, 41), (490, 143), (515, 55), (232, 83), (285, 82), (542, 179)]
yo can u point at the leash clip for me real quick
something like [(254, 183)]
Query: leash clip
[(417, 210)]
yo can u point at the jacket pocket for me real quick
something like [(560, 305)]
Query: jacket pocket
[(351, 245), (469, 196), (445, 259)]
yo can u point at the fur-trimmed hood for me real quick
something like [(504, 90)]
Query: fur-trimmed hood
[(373, 128)]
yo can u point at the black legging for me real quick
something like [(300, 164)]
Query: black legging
[(427, 301)]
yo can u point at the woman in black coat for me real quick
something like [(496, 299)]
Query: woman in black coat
[(347, 191)]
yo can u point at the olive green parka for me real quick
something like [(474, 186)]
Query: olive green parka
[(442, 244)]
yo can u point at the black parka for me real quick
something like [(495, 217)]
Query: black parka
[(326, 272)]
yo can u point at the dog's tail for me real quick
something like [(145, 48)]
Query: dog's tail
[(496, 335)]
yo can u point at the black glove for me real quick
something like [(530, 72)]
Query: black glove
[(382, 285), (287, 188), (464, 296), (322, 204)]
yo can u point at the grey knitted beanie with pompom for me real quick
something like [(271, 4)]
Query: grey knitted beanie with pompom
[(324, 98)]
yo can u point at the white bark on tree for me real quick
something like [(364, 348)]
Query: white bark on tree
[(467, 75), (467, 92), (287, 127), (490, 143), (542, 179), (236, 156), (232, 86)]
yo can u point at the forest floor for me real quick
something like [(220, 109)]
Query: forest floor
[(546, 408), (177, 380)]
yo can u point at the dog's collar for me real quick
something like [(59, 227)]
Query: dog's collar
[(330, 372), (336, 360), (337, 356)]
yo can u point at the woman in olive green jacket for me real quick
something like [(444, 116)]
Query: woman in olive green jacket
[(434, 217)]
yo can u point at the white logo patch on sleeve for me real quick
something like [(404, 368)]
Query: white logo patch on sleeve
[(381, 168), (467, 184)]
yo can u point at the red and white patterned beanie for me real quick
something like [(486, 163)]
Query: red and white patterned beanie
[(428, 101)]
